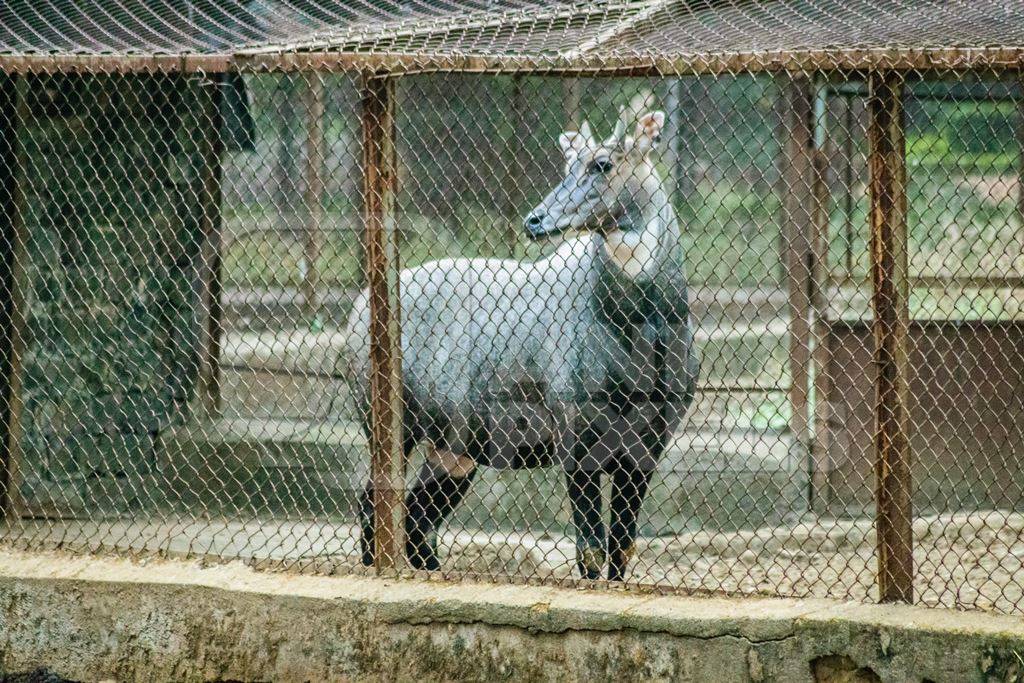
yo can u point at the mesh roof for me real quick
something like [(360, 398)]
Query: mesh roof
[(678, 27), (205, 26), (507, 28)]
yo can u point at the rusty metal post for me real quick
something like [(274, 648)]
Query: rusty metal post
[(386, 471), (1020, 162), (312, 235), (888, 220), (12, 285), (798, 214), (848, 181), (819, 457), (211, 151)]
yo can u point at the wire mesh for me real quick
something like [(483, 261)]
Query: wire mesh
[(521, 29), (522, 326)]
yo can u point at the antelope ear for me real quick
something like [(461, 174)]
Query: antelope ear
[(573, 143), (648, 130)]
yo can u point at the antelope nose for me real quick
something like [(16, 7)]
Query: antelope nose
[(534, 223)]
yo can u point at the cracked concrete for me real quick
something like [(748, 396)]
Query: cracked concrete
[(93, 618)]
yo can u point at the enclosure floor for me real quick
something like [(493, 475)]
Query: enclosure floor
[(964, 561)]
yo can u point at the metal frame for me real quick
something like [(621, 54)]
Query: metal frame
[(209, 191), (888, 220), (887, 211), (386, 471), (12, 276), (591, 64)]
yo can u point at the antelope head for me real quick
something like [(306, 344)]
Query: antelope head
[(604, 181)]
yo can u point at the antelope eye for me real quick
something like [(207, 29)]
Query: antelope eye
[(601, 166)]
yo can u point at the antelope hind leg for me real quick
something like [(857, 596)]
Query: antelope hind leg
[(629, 487), (441, 485), (585, 499)]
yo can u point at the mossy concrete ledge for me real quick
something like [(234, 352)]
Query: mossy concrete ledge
[(90, 618)]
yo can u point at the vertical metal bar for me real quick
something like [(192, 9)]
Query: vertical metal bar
[(314, 192), (211, 149), (797, 226), (513, 192), (848, 167), (378, 131), (13, 114), (285, 114), (887, 182), (572, 103), (1020, 152), (673, 99), (819, 456)]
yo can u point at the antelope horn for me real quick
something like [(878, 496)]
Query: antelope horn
[(620, 131), (586, 132), (620, 127)]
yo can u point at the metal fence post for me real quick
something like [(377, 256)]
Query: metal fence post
[(888, 220), (798, 215), (12, 299), (378, 124), (820, 456), (1020, 143), (314, 94), (211, 151)]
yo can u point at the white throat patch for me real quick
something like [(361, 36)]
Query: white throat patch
[(633, 252)]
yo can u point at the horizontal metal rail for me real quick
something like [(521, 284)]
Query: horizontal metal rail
[(591, 65)]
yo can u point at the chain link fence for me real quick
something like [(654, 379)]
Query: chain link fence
[(724, 329)]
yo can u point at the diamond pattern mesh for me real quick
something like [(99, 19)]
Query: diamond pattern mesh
[(652, 328), (523, 28)]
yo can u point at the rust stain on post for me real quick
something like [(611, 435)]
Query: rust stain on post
[(382, 275), (888, 218), (13, 113), (314, 190), (210, 176)]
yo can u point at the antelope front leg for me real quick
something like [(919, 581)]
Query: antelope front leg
[(366, 521), (585, 500), (629, 487)]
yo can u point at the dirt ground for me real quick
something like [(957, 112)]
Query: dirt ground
[(964, 561)]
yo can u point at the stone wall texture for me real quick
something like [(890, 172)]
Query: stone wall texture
[(111, 217), (75, 618)]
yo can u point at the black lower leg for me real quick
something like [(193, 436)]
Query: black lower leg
[(629, 486), (585, 500), (432, 498), (366, 540)]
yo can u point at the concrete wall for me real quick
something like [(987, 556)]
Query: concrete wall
[(94, 619)]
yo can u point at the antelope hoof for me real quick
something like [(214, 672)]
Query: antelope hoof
[(619, 562), (591, 562), (421, 558)]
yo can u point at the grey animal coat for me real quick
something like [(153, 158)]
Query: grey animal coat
[(520, 364)]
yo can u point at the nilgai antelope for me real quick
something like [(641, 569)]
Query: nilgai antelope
[(583, 358)]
